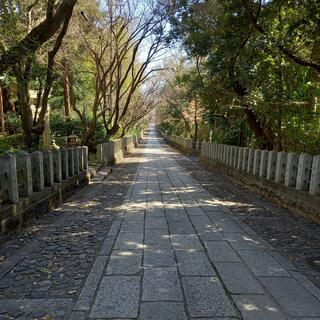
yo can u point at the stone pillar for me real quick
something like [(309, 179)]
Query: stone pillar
[(245, 159), (100, 153), (256, 162), (8, 178), (236, 156), (65, 163), (272, 164), (215, 151), (37, 171), (264, 163), (231, 157), (76, 160), (281, 167), (291, 170), (24, 174), (57, 168), (314, 188), (304, 172), (240, 158), (250, 160), (71, 162), (81, 164), (85, 154), (48, 168)]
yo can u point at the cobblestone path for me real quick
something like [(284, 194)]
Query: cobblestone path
[(173, 252)]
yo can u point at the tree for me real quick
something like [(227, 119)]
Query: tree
[(22, 55), (114, 67)]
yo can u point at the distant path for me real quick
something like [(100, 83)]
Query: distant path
[(173, 252)]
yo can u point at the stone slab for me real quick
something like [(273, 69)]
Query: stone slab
[(159, 258), (117, 297), (131, 226), (243, 241), (129, 240), (125, 262), (206, 297), (221, 251), (210, 234), (163, 311), (90, 287), (194, 263), (161, 284), (186, 241), (262, 264), (299, 302), (156, 223), (238, 279), (262, 307)]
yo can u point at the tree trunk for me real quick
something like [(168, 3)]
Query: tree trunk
[(2, 128), (66, 92)]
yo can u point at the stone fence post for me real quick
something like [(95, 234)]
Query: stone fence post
[(57, 166), (76, 160), (8, 179), (48, 168), (256, 161), (236, 157), (272, 165), (85, 155), (24, 174), (281, 167), (304, 172), (314, 188), (65, 163), (240, 158), (250, 160), (291, 170), (245, 159), (264, 163), (37, 171), (71, 162)]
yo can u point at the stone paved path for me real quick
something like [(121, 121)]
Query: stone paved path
[(176, 252)]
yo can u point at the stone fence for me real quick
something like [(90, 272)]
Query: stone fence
[(292, 180), (183, 144), (29, 178), (113, 151), (300, 171)]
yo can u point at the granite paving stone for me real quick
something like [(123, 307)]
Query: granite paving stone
[(118, 296), (126, 262), (292, 296), (221, 251), (129, 240), (186, 241), (206, 297), (194, 263), (161, 284), (262, 264), (159, 258), (258, 307), (163, 311), (238, 279)]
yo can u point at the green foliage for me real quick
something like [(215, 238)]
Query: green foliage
[(241, 68)]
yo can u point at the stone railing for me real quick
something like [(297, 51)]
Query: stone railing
[(113, 151), (186, 145), (28, 179), (299, 171), (25, 173)]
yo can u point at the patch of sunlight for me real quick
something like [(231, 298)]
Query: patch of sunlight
[(250, 307)]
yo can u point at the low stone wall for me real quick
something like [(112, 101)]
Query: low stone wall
[(289, 179), (33, 183), (185, 145), (113, 151)]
